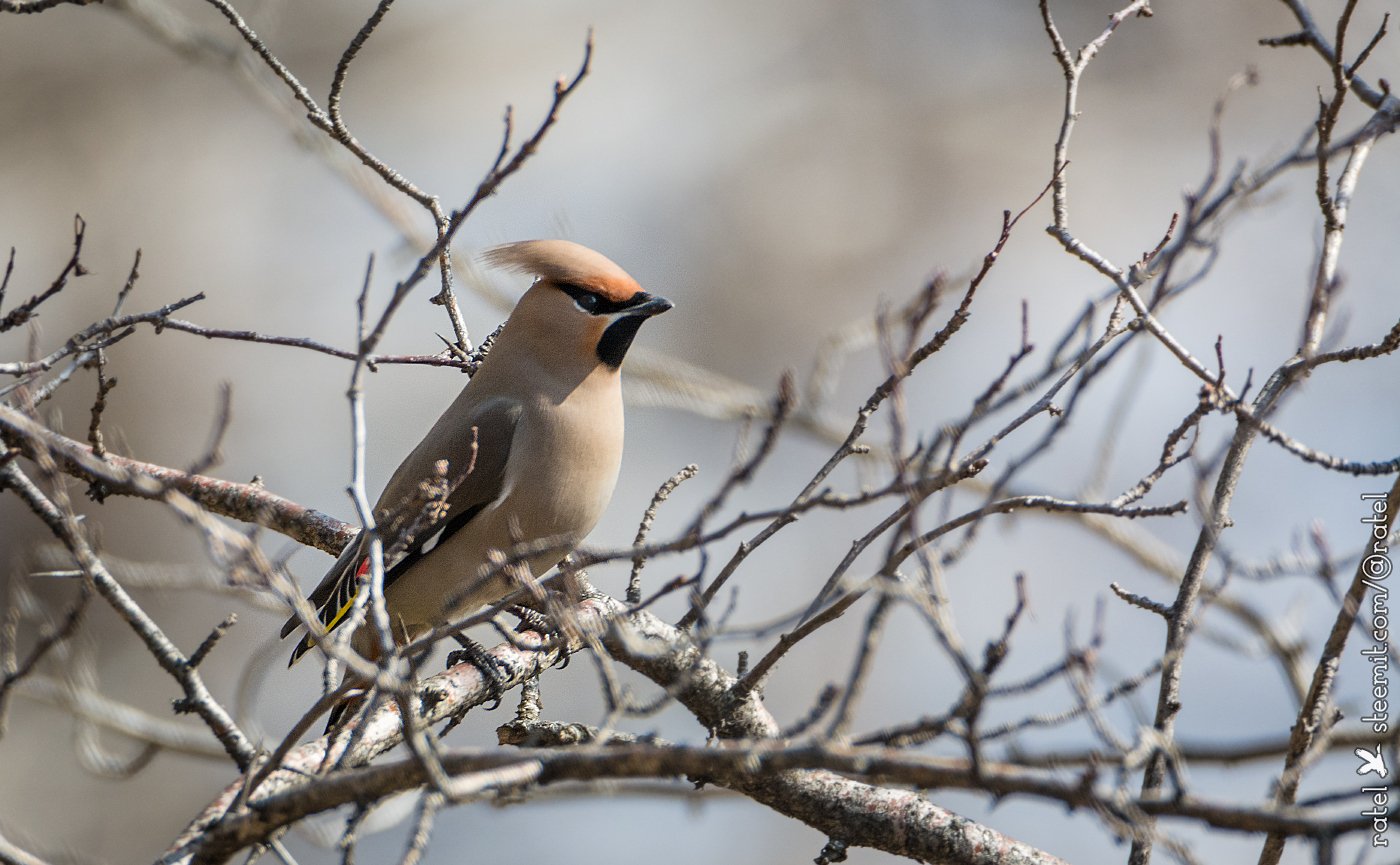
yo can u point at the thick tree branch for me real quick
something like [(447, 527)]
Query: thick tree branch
[(118, 475)]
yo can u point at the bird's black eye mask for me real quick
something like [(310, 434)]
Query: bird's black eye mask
[(618, 336), (595, 304)]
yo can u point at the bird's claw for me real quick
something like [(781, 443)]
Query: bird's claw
[(534, 620), (493, 672)]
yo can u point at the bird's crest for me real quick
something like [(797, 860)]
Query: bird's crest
[(562, 261)]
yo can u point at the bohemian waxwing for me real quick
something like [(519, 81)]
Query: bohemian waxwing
[(546, 410)]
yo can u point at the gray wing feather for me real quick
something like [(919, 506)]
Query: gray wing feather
[(482, 457)]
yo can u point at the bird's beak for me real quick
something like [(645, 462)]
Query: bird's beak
[(650, 306)]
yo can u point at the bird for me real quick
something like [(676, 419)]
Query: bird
[(533, 445)]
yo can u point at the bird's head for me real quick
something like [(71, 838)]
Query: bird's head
[(582, 304)]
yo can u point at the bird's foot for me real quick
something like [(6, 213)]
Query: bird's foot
[(534, 620), (494, 673)]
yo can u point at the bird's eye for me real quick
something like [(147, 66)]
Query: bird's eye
[(588, 301)]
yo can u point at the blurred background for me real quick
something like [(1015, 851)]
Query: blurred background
[(778, 170)]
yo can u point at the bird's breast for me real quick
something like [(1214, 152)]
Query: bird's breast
[(564, 465)]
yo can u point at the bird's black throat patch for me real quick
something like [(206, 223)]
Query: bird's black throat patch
[(612, 348)]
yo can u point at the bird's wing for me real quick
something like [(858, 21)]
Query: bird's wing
[(475, 473)]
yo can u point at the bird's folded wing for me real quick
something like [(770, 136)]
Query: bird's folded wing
[(476, 448)]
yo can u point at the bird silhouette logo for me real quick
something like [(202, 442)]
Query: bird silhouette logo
[(1372, 762)]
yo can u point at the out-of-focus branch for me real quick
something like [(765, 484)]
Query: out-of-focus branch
[(95, 708), (197, 697), (13, 854)]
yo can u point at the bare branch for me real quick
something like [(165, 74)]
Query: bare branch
[(123, 476), (634, 582), (1307, 729), (197, 696), (22, 7)]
